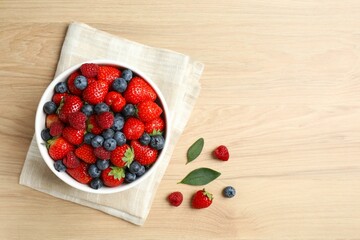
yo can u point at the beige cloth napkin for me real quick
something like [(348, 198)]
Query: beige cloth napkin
[(175, 74)]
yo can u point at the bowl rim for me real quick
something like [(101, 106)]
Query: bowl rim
[(40, 125)]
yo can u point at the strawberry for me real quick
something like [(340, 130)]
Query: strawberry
[(122, 156), (70, 105), (138, 91), (95, 92), (58, 97), (56, 129), (80, 173), (105, 120), (202, 199), (175, 198), (108, 74), (102, 153), (148, 111), (115, 100), (77, 120), (91, 80), (113, 176), (71, 161), (58, 148), (221, 153), (145, 155), (92, 125), (71, 85), (155, 126), (89, 70), (85, 153), (50, 119), (73, 136), (133, 128)]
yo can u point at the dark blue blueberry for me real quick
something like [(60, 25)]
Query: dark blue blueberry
[(135, 167), (101, 107), (94, 171), (118, 122), (108, 133), (59, 166), (60, 87), (88, 137), (157, 142), (127, 74), (45, 134), (110, 144), (130, 177), (119, 138), (50, 107), (87, 109), (97, 141), (119, 85), (141, 171), (145, 139), (81, 82), (102, 164), (229, 192), (96, 183), (129, 110)]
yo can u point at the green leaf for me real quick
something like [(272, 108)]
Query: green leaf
[(195, 150), (156, 132), (128, 156), (117, 172), (200, 176)]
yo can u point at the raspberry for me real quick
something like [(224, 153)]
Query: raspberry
[(56, 129), (89, 70), (221, 153), (71, 161), (175, 198), (102, 153), (77, 120), (105, 120)]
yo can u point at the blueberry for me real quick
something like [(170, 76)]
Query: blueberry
[(127, 74), (157, 142), (129, 110), (130, 177), (59, 166), (87, 109), (110, 144), (141, 171), (145, 139), (229, 192), (60, 87), (88, 137), (102, 164), (93, 171), (50, 107), (135, 167), (108, 133), (81, 82), (119, 138), (101, 107), (119, 85), (96, 183), (118, 122), (97, 141), (45, 134)]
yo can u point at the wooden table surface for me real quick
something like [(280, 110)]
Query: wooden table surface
[(281, 88)]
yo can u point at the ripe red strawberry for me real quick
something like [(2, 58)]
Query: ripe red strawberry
[(175, 198), (89, 70), (70, 105), (133, 128), (58, 148), (113, 176), (145, 155), (122, 156), (71, 161), (77, 120), (115, 100), (95, 92), (108, 74), (102, 153), (56, 129), (86, 153), (155, 125), (71, 85), (105, 120), (73, 136), (148, 111), (50, 119), (221, 153), (91, 80), (202, 199), (139, 90), (58, 97), (80, 173), (92, 125)]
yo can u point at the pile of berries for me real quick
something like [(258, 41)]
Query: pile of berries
[(104, 126)]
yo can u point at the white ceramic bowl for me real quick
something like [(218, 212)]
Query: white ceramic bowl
[(40, 125)]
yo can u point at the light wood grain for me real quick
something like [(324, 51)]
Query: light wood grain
[(281, 89)]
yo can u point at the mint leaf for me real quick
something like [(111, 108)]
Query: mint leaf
[(200, 176), (195, 150)]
